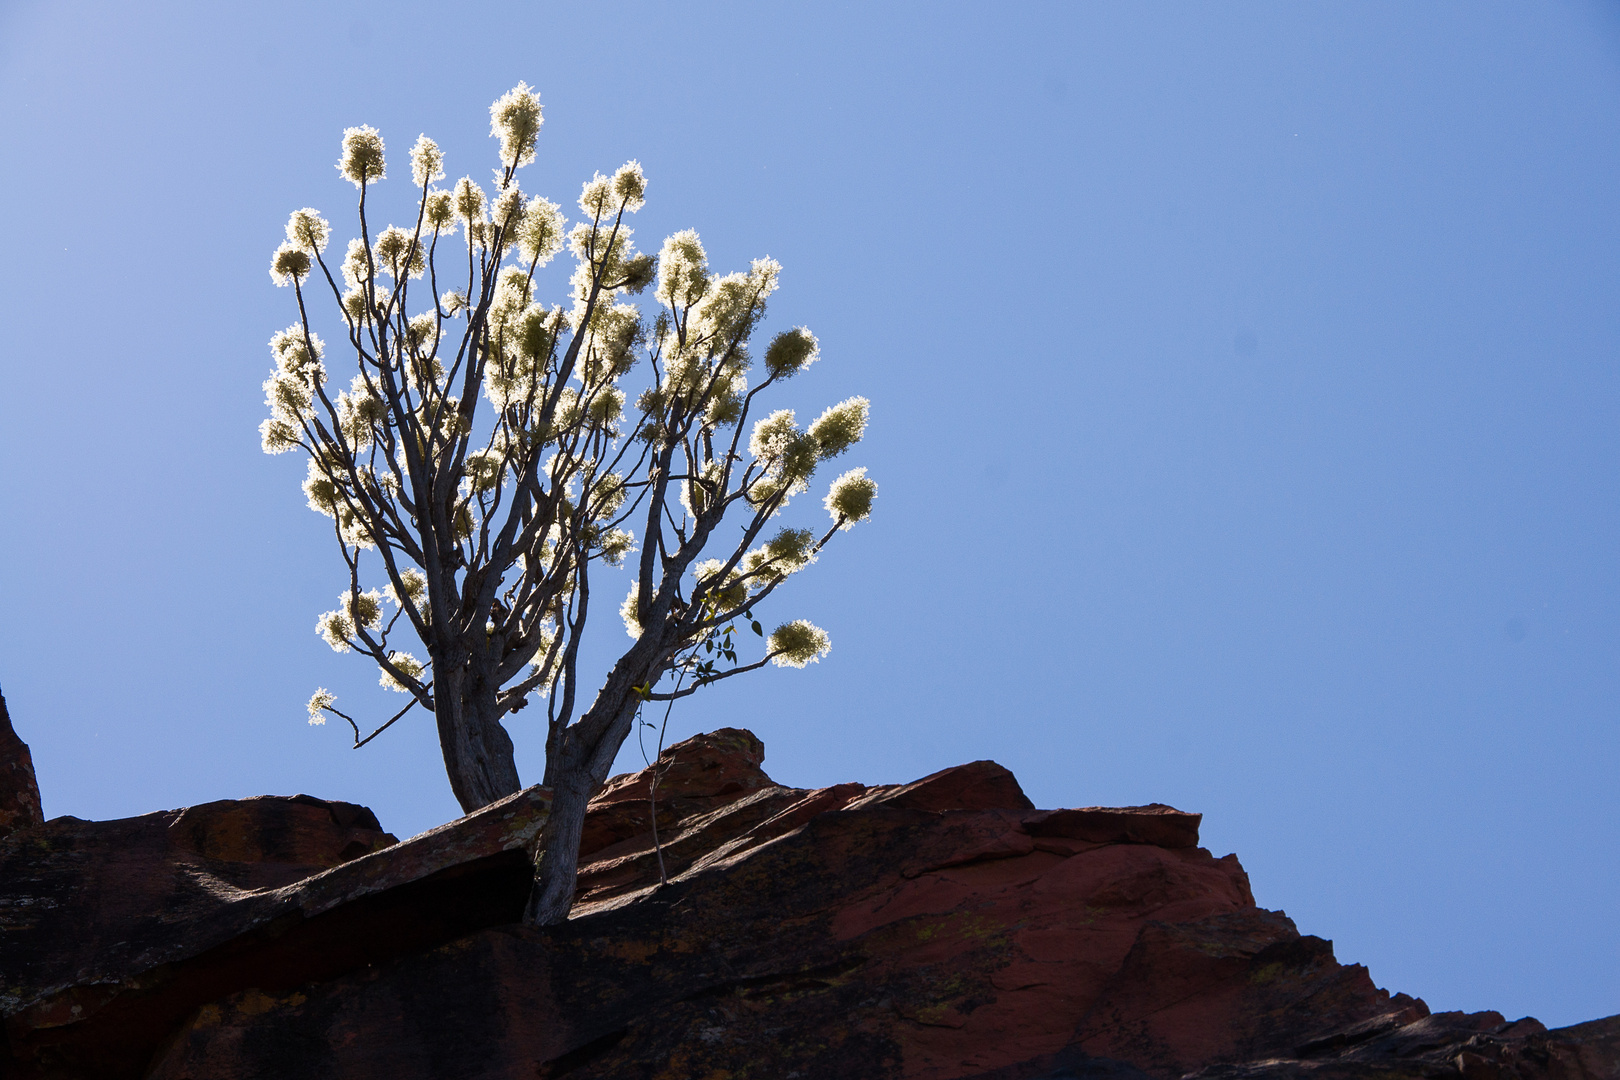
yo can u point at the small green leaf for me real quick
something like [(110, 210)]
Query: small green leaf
[(757, 629)]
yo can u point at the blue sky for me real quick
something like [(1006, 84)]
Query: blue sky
[(1244, 408)]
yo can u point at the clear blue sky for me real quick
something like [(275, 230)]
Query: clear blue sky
[(1244, 397)]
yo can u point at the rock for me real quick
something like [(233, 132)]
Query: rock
[(19, 791), (941, 930), (978, 785), (1154, 824), (114, 932)]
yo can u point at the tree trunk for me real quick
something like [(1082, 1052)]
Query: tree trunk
[(580, 774), (477, 750)]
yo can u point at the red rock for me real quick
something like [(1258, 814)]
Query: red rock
[(19, 791), (942, 930), (978, 785), (700, 774), (115, 932), (1238, 986), (1153, 824)]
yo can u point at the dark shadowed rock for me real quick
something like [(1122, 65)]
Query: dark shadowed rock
[(978, 785), (116, 931), (19, 791), (1153, 824), (942, 930)]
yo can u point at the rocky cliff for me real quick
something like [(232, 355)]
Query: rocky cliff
[(19, 793), (937, 930)]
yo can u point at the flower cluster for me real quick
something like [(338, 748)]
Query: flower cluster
[(362, 159), (798, 643), (320, 701), (850, 498), (515, 119), (407, 664)]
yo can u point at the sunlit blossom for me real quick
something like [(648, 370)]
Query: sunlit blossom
[(630, 186), (850, 498), (790, 352), (427, 161), (308, 230), (319, 702), (798, 643), (407, 664), (335, 629), (290, 263), (515, 119), (362, 160), (840, 427)]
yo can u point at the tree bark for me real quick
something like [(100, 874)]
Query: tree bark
[(580, 775), (477, 750)]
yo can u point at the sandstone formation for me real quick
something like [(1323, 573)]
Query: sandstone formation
[(936, 930), (19, 793)]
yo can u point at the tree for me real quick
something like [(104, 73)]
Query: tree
[(487, 532)]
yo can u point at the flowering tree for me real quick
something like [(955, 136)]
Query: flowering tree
[(480, 534)]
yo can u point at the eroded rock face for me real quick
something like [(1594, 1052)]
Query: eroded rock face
[(19, 792), (940, 930)]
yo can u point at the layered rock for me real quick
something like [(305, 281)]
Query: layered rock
[(937, 930), (19, 791)]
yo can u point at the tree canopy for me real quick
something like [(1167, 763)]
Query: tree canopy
[(471, 538)]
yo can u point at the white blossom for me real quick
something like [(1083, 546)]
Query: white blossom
[(840, 427), (364, 609), (322, 491), (469, 200), (596, 200), (289, 398), (541, 233), (484, 470), (407, 664), (725, 594), (362, 160), (356, 264), (318, 702), (798, 643), (683, 271), (278, 436), (771, 434), (398, 254), (630, 186), (507, 212), (515, 119), (791, 550), (850, 498), (308, 230), (439, 211), (615, 545), (335, 630), (415, 589), (790, 352), (290, 263), (427, 161), (627, 612)]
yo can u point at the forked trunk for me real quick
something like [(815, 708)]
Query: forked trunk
[(557, 867), (580, 774), (477, 750)]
